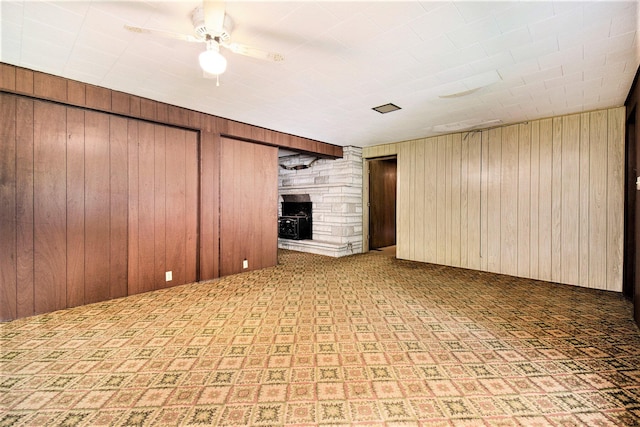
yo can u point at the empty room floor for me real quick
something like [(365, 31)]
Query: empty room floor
[(365, 339)]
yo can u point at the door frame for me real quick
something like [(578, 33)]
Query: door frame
[(365, 198)]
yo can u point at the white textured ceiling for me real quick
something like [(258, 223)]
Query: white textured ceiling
[(539, 58)]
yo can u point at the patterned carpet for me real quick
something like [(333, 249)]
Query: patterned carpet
[(361, 340)]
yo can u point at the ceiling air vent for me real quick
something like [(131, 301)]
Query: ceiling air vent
[(386, 108)]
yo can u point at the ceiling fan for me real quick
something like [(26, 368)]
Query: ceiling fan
[(212, 26)]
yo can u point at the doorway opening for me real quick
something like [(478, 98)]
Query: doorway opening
[(382, 203)]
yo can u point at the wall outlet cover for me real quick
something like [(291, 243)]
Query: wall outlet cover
[(168, 276)]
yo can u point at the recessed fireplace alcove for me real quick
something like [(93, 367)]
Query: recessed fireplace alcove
[(334, 189)]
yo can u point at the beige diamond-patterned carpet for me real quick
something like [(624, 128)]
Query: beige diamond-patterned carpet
[(360, 340)]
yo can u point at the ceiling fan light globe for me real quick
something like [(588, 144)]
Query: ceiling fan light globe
[(212, 62)]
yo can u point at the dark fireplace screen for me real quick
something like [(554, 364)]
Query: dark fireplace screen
[(295, 222)]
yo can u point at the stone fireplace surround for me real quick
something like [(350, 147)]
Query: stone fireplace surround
[(335, 190)]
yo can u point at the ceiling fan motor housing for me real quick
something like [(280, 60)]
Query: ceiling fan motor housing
[(200, 28)]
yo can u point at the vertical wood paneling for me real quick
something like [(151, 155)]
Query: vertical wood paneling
[(8, 219), (615, 198), (556, 200), (97, 207), (50, 234), (191, 206), (412, 198), (248, 206), (159, 193), (447, 198), (209, 220), (75, 207), (24, 208), (403, 236), (456, 166), (441, 186), (484, 200), (544, 200), (419, 208), (540, 199), (494, 173), (430, 206), (509, 201), (597, 199), (134, 284), (118, 194), (524, 200), (535, 201), (474, 185), (146, 208), (464, 202), (176, 233), (570, 197), (267, 222), (583, 253)]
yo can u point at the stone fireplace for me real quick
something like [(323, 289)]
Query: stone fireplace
[(334, 188)]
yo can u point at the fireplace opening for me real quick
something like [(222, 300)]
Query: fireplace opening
[(296, 220)]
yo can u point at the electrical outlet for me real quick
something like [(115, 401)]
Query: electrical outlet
[(168, 276), (245, 264)]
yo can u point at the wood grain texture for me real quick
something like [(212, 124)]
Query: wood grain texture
[(160, 207), (175, 208), (209, 191), (146, 208), (494, 200), (524, 200), (50, 87), (615, 198), (382, 200), (537, 199), (556, 200), (24, 208), (597, 199), (456, 166), (192, 174), (24, 81), (75, 208), (8, 219), (509, 201), (544, 199), (118, 206), (248, 206), (570, 196), (430, 196), (583, 256), (97, 207), (7, 77), (134, 284), (534, 215), (50, 234), (474, 181)]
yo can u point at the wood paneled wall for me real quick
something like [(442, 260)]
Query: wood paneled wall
[(542, 199), (85, 185), (248, 206), (46, 86), (163, 200)]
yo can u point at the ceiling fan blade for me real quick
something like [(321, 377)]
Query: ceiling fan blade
[(253, 52), (161, 33), (214, 11)]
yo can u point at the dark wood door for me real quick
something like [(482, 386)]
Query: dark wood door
[(382, 203), (248, 206), (163, 206)]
